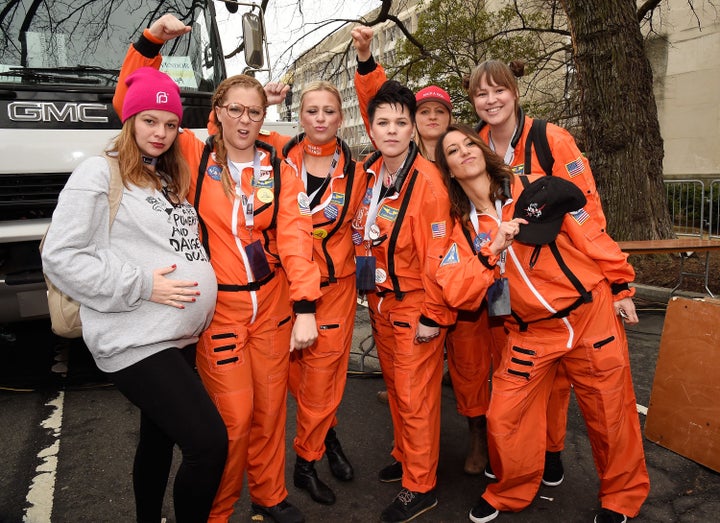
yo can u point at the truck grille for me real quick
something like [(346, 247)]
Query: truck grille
[(30, 195)]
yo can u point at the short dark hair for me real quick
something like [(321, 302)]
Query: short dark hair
[(393, 93)]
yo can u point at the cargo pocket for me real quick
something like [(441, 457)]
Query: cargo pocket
[(223, 347), (520, 363), (605, 354)]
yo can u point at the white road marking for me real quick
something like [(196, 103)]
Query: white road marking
[(642, 410), (42, 489)]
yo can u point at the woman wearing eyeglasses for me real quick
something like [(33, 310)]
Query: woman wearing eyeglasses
[(147, 292), (254, 217)]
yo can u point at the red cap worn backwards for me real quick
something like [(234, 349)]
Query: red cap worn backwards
[(544, 204), (433, 93), (149, 89)]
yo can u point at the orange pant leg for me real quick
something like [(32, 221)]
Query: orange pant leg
[(557, 411), (469, 356), (413, 374), (517, 419), (250, 392), (318, 374), (224, 366), (597, 365), (606, 397)]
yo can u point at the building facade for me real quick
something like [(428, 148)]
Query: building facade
[(683, 47)]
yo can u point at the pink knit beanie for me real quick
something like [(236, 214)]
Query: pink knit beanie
[(150, 89)]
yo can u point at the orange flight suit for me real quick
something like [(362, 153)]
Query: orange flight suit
[(243, 357), (590, 344), (412, 232), (318, 373)]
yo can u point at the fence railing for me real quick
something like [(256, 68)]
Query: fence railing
[(714, 209), (694, 207)]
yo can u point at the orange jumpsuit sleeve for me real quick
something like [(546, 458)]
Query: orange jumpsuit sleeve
[(570, 164), (133, 61), (431, 235), (294, 238), (464, 276), (366, 85), (587, 233)]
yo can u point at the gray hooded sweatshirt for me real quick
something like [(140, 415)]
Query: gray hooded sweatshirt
[(110, 272)]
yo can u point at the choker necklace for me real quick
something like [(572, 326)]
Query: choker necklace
[(148, 160), (325, 149)]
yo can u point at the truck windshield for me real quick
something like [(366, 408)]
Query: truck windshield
[(83, 42)]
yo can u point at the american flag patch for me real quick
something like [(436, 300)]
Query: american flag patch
[(575, 167), (580, 216), (438, 229)]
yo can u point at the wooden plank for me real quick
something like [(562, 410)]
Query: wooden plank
[(668, 246), (684, 412)]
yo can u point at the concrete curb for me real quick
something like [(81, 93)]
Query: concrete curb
[(662, 294)]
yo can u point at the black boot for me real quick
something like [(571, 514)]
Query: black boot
[(306, 478), (339, 464)]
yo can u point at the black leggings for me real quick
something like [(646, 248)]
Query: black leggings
[(175, 408)]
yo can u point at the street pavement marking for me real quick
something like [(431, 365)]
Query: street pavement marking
[(642, 410), (42, 488)]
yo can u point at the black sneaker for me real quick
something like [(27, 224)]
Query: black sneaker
[(408, 505), (391, 473), (609, 516), (283, 512), (488, 472), (483, 512), (554, 472)]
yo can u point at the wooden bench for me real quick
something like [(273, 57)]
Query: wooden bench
[(684, 246)]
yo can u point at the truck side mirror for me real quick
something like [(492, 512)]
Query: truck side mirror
[(253, 37)]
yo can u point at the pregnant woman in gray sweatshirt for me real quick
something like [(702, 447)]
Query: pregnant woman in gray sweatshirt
[(146, 291)]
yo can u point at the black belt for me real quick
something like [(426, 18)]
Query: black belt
[(252, 286)]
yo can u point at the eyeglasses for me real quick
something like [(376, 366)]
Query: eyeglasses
[(235, 111), (171, 196)]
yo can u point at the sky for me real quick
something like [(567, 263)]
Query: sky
[(292, 28)]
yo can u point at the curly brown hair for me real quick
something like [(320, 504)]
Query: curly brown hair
[(499, 172)]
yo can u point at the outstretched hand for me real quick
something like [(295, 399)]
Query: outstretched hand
[(361, 38), (172, 292), (168, 27)]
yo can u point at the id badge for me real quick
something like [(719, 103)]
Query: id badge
[(365, 273), (257, 259), (498, 298)]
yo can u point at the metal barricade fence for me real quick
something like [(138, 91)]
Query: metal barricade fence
[(714, 209), (686, 203)]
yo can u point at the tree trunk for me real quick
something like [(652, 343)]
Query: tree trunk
[(617, 104)]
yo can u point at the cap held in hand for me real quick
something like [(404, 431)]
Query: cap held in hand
[(544, 204)]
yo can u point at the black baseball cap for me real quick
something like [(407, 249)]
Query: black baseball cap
[(544, 204)]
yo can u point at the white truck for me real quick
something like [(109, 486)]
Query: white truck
[(59, 63)]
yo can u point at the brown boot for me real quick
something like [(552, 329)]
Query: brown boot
[(477, 453)]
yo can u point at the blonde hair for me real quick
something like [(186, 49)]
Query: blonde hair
[(322, 85), (239, 80), (171, 163)]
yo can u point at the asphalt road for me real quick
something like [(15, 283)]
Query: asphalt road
[(68, 439)]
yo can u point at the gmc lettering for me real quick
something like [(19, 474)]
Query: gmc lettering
[(48, 112)]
